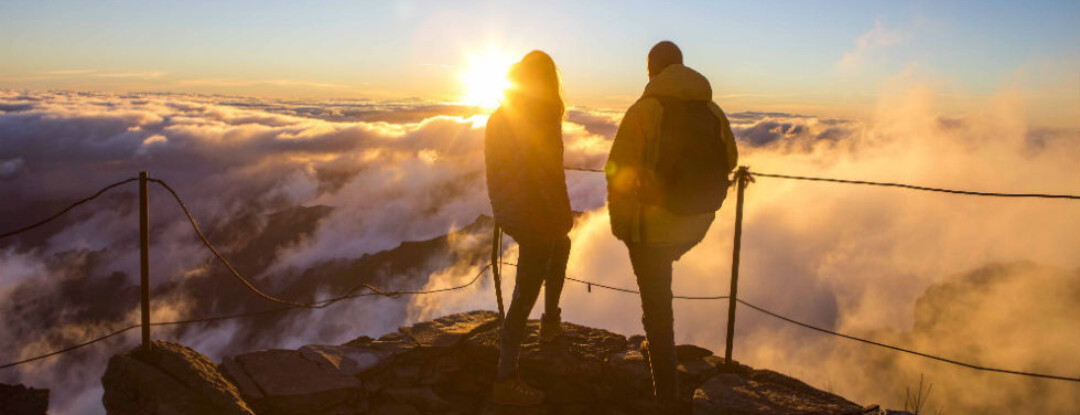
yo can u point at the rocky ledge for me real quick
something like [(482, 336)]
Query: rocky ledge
[(21, 400), (445, 366)]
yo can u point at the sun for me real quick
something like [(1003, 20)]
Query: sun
[(485, 80)]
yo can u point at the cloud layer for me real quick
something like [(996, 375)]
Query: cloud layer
[(295, 189)]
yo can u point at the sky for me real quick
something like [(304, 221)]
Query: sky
[(828, 58)]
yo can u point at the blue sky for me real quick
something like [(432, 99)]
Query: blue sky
[(774, 55)]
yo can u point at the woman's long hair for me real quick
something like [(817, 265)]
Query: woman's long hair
[(535, 88)]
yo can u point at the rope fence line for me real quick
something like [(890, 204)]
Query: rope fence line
[(900, 349), (70, 348), (585, 169), (578, 169), (577, 280), (624, 290), (68, 209), (886, 184), (289, 305), (914, 187), (349, 295), (629, 291), (245, 281), (834, 333), (375, 291)]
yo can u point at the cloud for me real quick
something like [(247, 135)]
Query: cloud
[(9, 168), (868, 45), (143, 75), (780, 130), (258, 82), (67, 72)]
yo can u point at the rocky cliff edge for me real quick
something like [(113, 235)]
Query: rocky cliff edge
[(445, 366)]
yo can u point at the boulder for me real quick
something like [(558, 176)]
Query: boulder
[(696, 370), (348, 360), (170, 379), (21, 400), (765, 392), (447, 331), (689, 352), (286, 382), (395, 343)]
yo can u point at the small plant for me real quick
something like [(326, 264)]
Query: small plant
[(914, 402)]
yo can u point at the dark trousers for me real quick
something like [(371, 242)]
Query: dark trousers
[(541, 261), (652, 266)]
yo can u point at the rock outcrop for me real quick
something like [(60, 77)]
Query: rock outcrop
[(293, 382), (447, 366), (170, 379), (21, 400)]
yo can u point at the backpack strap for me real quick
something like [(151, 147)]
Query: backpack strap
[(648, 194)]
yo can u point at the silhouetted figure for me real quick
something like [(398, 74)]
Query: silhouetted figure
[(667, 175), (523, 149)]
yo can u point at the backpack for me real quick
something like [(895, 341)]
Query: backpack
[(691, 175)]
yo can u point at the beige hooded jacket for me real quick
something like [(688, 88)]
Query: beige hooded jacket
[(634, 151)]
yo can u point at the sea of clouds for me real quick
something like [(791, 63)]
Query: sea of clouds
[(989, 281)]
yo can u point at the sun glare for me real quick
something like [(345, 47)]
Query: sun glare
[(485, 80)]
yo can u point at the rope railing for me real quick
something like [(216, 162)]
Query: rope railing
[(592, 170), (584, 169), (591, 284), (747, 177), (247, 283), (900, 349), (576, 280), (67, 209), (349, 295), (922, 188), (887, 184), (69, 348)]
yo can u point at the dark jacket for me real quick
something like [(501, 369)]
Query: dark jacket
[(635, 151), (525, 177)]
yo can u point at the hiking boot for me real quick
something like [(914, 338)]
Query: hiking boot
[(514, 391), (551, 326), (662, 365)]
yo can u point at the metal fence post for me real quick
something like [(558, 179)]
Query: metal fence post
[(144, 257), (742, 178), (496, 249)]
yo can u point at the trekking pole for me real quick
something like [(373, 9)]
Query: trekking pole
[(742, 178), (496, 251), (144, 257)]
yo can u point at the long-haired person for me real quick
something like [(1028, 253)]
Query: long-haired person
[(523, 151)]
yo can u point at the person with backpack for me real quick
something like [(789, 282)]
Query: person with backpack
[(667, 175), (523, 153)]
